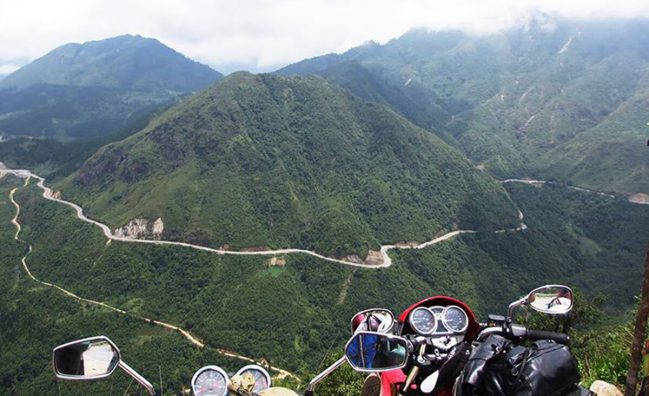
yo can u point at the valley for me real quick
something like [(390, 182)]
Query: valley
[(199, 218), (401, 257)]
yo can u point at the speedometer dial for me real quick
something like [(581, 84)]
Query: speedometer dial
[(260, 375), (210, 381), (455, 319), (423, 321)]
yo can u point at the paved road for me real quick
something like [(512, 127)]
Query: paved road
[(385, 249), (193, 339)]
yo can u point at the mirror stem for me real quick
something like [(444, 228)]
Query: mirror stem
[(137, 377), (325, 373), (510, 310)]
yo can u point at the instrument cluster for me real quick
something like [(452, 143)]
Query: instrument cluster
[(438, 320)]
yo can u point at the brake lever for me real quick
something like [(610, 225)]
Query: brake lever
[(414, 371)]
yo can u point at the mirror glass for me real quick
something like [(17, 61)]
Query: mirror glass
[(86, 359), (375, 319), (371, 351), (553, 299)]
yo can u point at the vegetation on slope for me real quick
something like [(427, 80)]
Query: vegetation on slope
[(561, 99), (34, 319), (288, 162), (296, 314), (96, 88)]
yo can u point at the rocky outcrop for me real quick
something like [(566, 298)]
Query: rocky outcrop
[(602, 388), (277, 262), (140, 228), (639, 198), (374, 257)]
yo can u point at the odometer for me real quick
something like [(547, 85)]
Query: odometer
[(423, 321), (455, 319)]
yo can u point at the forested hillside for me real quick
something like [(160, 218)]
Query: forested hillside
[(96, 88), (305, 303), (261, 160), (557, 98)]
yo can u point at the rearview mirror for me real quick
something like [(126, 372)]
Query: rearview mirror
[(86, 359), (370, 351), (551, 299), (375, 319)]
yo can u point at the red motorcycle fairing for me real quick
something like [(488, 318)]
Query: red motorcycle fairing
[(474, 326), (392, 380)]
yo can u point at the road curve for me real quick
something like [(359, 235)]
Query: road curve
[(542, 182), (387, 262), (385, 249), (193, 339)]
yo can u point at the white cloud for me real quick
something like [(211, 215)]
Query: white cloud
[(8, 68), (264, 34)]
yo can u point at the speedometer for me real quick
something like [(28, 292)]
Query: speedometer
[(260, 375), (455, 319), (210, 381), (423, 321)]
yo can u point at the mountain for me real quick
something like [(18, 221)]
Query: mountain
[(262, 160), (127, 61), (92, 89), (553, 98)]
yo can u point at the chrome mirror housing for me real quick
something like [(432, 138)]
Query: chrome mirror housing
[(87, 359), (374, 319), (90, 359), (551, 299)]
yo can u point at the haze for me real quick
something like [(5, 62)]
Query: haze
[(263, 35)]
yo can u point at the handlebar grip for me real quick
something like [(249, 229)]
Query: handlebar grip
[(559, 338)]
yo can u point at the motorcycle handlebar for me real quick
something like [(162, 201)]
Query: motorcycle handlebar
[(520, 331), (560, 338)]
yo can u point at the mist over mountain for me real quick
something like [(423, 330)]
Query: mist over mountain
[(554, 98), (341, 154), (91, 89)]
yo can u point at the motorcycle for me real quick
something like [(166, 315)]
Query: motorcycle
[(432, 349), (428, 348), (98, 357)]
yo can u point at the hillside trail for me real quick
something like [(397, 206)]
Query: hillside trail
[(49, 194), (281, 373)]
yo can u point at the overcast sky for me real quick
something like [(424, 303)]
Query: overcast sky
[(262, 35)]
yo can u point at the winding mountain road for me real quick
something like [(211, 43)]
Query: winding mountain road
[(281, 373), (385, 249)]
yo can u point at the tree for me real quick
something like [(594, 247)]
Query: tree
[(639, 333)]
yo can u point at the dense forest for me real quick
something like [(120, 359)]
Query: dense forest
[(553, 98), (262, 160), (236, 303)]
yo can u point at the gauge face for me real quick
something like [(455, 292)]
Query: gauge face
[(262, 379), (455, 319), (210, 381), (423, 321)]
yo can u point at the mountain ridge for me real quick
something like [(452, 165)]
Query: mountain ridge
[(127, 61), (555, 98), (96, 88), (285, 154)]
